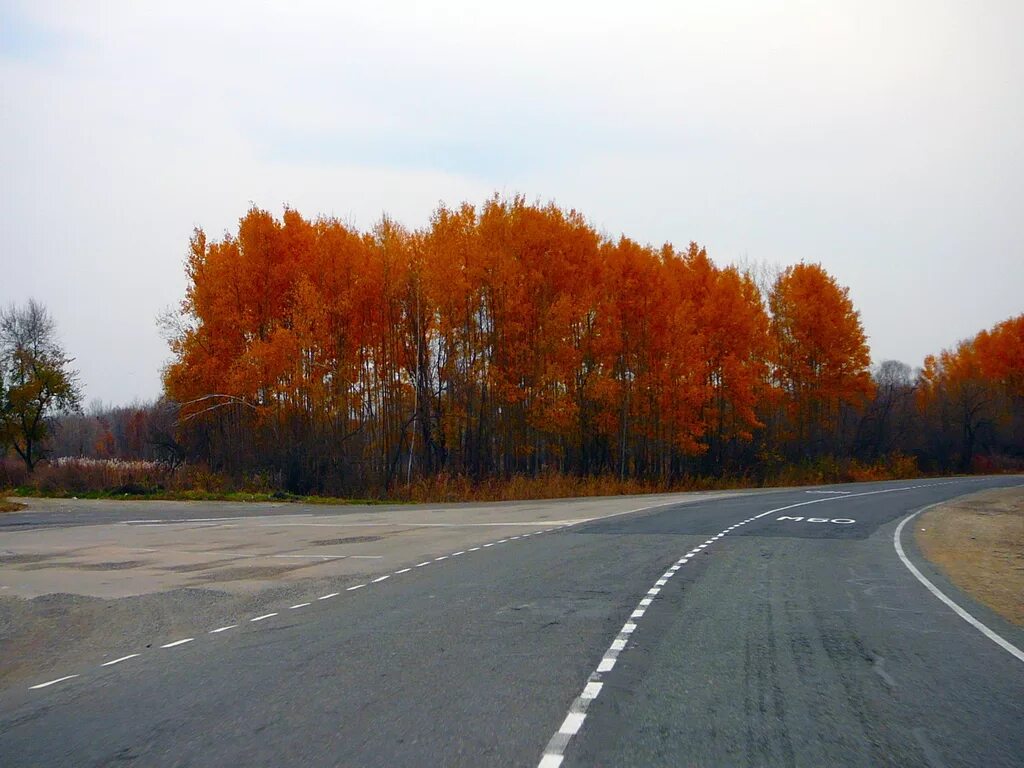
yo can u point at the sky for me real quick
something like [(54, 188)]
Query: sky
[(883, 140)]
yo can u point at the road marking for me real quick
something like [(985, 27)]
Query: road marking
[(841, 493), (178, 642), (118, 661), (590, 691), (571, 724), (52, 682), (554, 752), (1006, 645)]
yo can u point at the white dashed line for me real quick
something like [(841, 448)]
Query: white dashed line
[(51, 682), (328, 596), (118, 661), (555, 751), (571, 724)]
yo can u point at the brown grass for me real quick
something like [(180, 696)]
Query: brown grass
[(115, 478), (978, 542), (10, 506)]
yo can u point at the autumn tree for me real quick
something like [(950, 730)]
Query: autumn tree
[(36, 380), (509, 338), (820, 357)]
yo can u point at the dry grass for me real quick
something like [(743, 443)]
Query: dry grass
[(117, 478), (978, 542), (10, 506)]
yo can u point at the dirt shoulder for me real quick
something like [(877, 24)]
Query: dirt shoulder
[(978, 542), (10, 506)]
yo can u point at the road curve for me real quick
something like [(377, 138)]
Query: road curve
[(781, 632)]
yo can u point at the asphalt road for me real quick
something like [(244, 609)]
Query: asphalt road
[(789, 642)]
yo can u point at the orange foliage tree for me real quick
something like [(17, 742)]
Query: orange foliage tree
[(819, 357), (510, 338)]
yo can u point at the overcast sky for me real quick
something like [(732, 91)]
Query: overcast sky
[(881, 139)]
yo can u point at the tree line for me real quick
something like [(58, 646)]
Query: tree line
[(513, 339)]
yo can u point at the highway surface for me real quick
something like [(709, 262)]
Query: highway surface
[(758, 629)]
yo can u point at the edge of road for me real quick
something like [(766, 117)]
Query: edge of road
[(934, 580)]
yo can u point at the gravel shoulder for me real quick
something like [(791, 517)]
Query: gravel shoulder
[(978, 543)]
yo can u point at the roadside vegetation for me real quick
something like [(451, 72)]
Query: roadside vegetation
[(508, 351), (978, 542)]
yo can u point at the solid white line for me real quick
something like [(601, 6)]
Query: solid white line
[(178, 642), (1006, 645), (51, 682), (222, 629), (553, 753), (298, 605), (264, 616), (118, 661)]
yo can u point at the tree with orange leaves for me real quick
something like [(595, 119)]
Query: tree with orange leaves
[(819, 357)]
